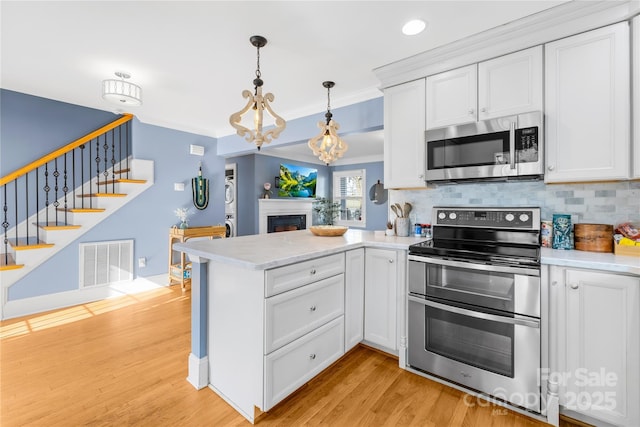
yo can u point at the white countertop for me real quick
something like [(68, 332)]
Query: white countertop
[(592, 260), (264, 251)]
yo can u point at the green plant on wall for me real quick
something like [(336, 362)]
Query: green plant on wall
[(326, 210)]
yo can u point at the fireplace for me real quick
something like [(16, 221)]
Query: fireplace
[(278, 223), (284, 209)]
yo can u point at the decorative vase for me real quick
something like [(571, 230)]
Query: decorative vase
[(389, 232), (402, 227), (183, 225)]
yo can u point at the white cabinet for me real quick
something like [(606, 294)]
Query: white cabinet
[(452, 97), (404, 126), (510, 84), (597, 345), (380, 297), (587, 106), (636, 96), (507, 85), (353, 298)]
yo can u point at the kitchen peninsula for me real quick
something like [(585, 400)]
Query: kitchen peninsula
[(271, 311)]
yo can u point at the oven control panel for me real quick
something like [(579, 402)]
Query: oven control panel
[(521, 218)]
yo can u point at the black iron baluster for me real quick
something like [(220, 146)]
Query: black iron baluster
[(73, 175), (46, 193), (128, 145), (56, 174), (5, 225), (82, 147), (98, 164), (37, 206), (15, 196), (120, 146), (113, 162), (26, 205), (65, 189), (106, 168), (90, 175)]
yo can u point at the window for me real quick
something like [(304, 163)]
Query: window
[(348, 190)]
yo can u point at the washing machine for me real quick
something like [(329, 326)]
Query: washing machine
[(230, 224), (229, 196)]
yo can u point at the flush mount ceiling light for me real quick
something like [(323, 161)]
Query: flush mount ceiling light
[(327, 145), (121, 91), (258, 103), (413, 27)]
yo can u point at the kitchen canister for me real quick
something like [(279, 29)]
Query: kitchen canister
[(594, 237), (562, 232), (402, 227), (546, 229)]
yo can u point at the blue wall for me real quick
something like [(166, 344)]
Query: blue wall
[(146, 219)]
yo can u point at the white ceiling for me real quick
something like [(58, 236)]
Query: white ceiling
[(193, 59)]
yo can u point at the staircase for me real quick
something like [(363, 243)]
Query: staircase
[(43, 208)]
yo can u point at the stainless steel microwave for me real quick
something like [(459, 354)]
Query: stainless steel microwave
[(503, 148)]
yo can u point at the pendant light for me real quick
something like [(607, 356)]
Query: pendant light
[(327, 145), (258, 104)]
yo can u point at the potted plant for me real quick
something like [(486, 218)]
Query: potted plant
[(326, 210)]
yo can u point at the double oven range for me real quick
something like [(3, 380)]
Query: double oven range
[(474, 303)]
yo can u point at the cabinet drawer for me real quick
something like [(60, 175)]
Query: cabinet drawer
[(282, 279), (291, 366), (292, 314)]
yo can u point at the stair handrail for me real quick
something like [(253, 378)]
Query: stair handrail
[(65, 149)]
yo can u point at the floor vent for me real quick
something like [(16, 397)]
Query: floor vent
[(104, 263)]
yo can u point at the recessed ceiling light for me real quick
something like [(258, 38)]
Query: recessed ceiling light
[(413, 27)]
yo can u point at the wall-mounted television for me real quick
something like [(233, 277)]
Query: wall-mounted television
[(297, 181)]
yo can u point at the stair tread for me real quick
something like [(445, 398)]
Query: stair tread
[(125, 181), (32, 242), (8, 263), (102, 195), (58, 226), (81, 210)]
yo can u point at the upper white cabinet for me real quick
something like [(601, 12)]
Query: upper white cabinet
[(587, 106), (510, 84), (404, 126), (507, 85), (452, 97), (636, 96), (597, 343)]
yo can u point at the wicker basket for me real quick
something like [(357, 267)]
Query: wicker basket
[(328, 230)]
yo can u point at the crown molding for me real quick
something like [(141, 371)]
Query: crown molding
[(552, 24)]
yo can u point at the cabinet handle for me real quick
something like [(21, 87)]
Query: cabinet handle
[(421, 176), (313, 271), (574, 286), (550, 167), (312, 356), (483, 109), (555, 282), (390, 261), (312, 308), (472, 111)]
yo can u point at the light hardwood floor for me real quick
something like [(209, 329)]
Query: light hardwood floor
[(123, 362)]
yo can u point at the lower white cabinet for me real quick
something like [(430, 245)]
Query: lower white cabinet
[(596, 344), (291, 366), (380, 297), (353, 298)]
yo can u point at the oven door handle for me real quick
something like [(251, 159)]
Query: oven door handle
[(474, 266), (517, 320)]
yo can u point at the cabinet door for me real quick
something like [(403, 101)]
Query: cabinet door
[(404, 126), (601, 365), (354, 298), (636, 96), (510, 84), (380, 297), (587, 106), (452, 97)]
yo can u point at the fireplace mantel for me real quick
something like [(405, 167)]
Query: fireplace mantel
[(268, 207)]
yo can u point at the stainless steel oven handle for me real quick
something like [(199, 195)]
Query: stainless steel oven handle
[(473, 266), (479, 315), (512, 145)]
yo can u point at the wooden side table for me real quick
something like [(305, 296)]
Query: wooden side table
[(180, 270)]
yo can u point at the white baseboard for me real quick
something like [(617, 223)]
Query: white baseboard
[(39, 304)]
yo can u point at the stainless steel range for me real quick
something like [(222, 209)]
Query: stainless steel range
[(474, 309)]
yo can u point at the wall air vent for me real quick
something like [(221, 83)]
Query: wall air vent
[(105, 263)]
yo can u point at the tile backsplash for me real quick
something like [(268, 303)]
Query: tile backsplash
[(601, 203)]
